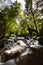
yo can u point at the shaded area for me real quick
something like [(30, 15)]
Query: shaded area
[(33, 59)]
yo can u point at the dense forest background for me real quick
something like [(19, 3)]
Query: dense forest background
[(17, 22)]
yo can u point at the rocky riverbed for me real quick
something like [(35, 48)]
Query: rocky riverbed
[(21, 51)]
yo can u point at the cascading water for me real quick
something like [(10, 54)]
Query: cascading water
[(12, 47)]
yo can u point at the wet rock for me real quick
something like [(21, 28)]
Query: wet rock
[(28, 51), (11, 54), (9, 62), (21, 43), (1, 45), (40, 41), (32, 59)]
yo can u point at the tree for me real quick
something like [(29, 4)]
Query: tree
[(8, 18), (33, 15)]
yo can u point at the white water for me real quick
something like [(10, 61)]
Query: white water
[(28, 51), (10, 62), (20, 45), (12, 50)]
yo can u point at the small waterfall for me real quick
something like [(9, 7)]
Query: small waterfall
[(22, 45)]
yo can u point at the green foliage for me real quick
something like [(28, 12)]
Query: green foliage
[(11, 16), (35, 23), (8, 19)]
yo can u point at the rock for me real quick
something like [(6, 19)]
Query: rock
[(5, 56), (18, 50), (36, 58), (40, 41), (14, 50), (27, 51), (12, 53), (21, 43), (10, 62), (10, 40), (35, 44), (1, 45)]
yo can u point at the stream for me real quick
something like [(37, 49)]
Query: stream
[(31, 52)]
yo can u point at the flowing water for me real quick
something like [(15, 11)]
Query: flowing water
[(20, 45), (10, 62)]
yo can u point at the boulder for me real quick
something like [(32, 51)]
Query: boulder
[(36, 58)]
